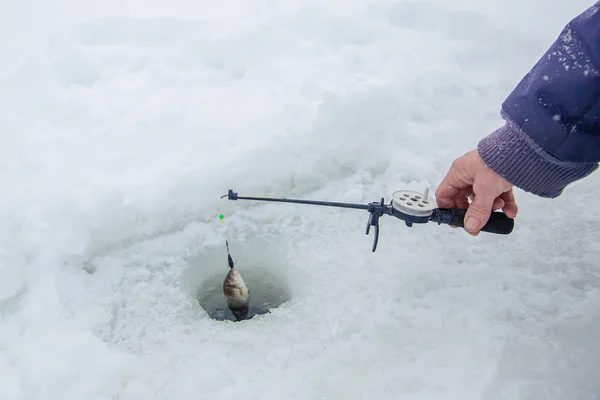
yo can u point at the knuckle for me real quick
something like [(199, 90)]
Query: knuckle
[(457, 165), (479, 209)]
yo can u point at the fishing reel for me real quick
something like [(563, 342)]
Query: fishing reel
[(409, 206)]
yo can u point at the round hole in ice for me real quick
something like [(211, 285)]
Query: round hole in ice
[(263, 266), (266, 291)]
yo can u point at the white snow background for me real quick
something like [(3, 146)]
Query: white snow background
[(121, 125)]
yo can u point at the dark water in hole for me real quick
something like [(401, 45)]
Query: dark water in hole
[(266, 291)]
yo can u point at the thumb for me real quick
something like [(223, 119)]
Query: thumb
[(479, 210)]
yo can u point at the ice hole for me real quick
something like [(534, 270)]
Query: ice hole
[(266, 291), (262, 267)]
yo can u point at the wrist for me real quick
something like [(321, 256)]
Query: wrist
[(513, 155)]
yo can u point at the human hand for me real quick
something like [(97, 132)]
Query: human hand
[(470, 179)]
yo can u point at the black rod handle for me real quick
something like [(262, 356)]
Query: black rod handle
[(498, 223)]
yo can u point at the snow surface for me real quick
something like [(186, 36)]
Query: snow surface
[(123, 123)]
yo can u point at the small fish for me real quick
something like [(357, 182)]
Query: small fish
[(235, 290)]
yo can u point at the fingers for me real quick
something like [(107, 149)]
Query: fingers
[(451, 185), (510, 207), (461, 200), (499, 202), (487, 192), (445, 195), (454, 186)]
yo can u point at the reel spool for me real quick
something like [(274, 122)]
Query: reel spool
[(413, 203)]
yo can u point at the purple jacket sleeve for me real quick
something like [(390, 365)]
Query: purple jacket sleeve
[(552, 133)]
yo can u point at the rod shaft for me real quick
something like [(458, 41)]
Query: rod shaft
[(312, 202)]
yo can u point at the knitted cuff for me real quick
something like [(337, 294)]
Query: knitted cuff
[(517, 158)]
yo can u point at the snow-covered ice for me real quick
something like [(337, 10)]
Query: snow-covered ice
[(121, 125)]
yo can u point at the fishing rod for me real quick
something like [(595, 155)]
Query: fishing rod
[(407, 205)]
